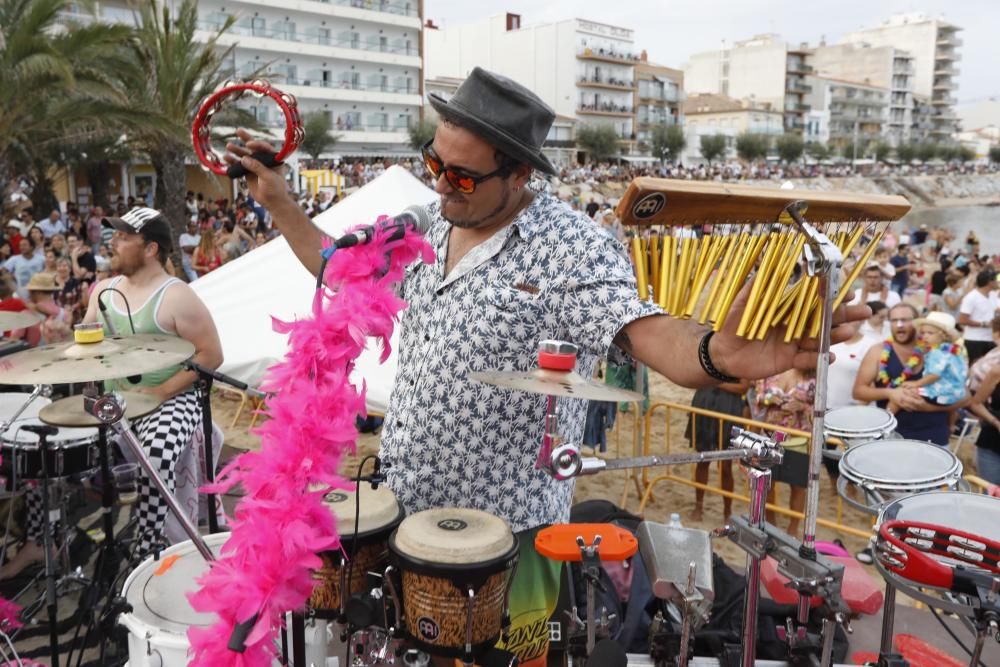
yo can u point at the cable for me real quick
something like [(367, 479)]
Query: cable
[(344, 594), (326, 254), (952, 634), (128, 308), (13, 650)]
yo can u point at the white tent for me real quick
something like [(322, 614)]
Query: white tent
[(269, 281)]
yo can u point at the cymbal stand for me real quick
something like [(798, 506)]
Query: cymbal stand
[(110, 410), (111, 554), (43, 432)]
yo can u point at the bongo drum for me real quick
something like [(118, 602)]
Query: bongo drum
[(857, 424), (379, 515), (888, 469), (456, 567)]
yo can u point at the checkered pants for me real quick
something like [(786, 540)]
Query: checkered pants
[(163, 435), (35, 513)]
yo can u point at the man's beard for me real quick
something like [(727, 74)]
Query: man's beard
[(909, 339), (485, 220)]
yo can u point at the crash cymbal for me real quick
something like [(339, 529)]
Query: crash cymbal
[(556, 383), (113, 357), (71, 413), (18, 320)]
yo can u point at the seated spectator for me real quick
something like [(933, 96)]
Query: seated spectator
[(24, 265), (57, 325), (206, 257)]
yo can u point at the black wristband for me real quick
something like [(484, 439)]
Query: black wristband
[(706, 361)]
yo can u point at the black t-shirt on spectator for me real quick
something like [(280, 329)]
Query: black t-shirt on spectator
[(938, 284)]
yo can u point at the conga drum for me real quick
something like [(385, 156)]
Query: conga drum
[(379, 513), (455, 568)]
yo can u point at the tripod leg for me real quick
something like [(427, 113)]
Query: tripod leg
[(50, 573)]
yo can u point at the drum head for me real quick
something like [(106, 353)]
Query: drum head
[(157, 590), (855, 420), (378, 510), (11, 402), (899, 462), (453, 536), (16, 435), (973, 513)]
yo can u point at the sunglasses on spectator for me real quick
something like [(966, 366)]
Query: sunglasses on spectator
[(458, 179)]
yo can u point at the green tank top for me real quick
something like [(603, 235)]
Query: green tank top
[(144, 318)]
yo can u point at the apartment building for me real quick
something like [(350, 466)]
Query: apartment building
[(934, 46), (583, 69), (357, 61), (883, 66), (856, 111), (711, 114), (764, 69), (658, 98)]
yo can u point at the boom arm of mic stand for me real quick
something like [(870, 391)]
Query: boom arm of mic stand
[(224, 379)]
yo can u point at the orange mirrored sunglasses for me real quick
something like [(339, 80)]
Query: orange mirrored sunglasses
[(457, 179)]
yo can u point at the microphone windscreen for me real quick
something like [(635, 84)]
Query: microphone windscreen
[(608, 653), (421, 218)]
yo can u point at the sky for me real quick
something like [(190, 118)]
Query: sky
[(670, 31)]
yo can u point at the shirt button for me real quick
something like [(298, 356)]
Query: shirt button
[(399, 423), (427, 337)]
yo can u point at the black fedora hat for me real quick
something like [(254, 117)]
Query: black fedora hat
[(503, 112)]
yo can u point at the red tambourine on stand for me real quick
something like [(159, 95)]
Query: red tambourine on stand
[(201, 131)]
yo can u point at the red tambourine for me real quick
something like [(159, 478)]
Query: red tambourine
[(915, 551), (201, 134)]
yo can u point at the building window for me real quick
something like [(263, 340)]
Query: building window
[(257, 26)]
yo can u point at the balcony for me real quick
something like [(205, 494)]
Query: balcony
[(282, 40), (945, 84), (797, 107), (798, 87), (947, 39), (606, 56), (605, 109), (943, 101), (393, 12), (902, 69), (607, 83), (942, 68), (799, 67), (671, 95), (945, 54), (343, 91)]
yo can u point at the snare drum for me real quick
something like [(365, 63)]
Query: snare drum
[(161, 615), (456, 568), (71, 453), (12, 402), (857, 424), (888, 469), (379, 515)]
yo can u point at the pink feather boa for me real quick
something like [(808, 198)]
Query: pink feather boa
[(281, 523)]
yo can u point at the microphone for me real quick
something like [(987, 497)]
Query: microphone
[(104, 314), (608, 653), (414, 216)]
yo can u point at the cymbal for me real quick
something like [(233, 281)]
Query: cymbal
[(556, 383), (70, 412), (18, 320), (114, 357)]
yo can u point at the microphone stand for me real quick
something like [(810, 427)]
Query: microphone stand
[(203, 384)]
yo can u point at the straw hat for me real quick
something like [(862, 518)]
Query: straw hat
[(43, 282), (942, 321)]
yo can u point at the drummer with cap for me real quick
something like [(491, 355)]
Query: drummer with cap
[(514, 265), (145, 300)]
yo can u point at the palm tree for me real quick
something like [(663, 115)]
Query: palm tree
[(50, 85), (167, 72)]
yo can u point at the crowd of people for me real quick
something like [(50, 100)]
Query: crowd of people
[(50, 266)]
